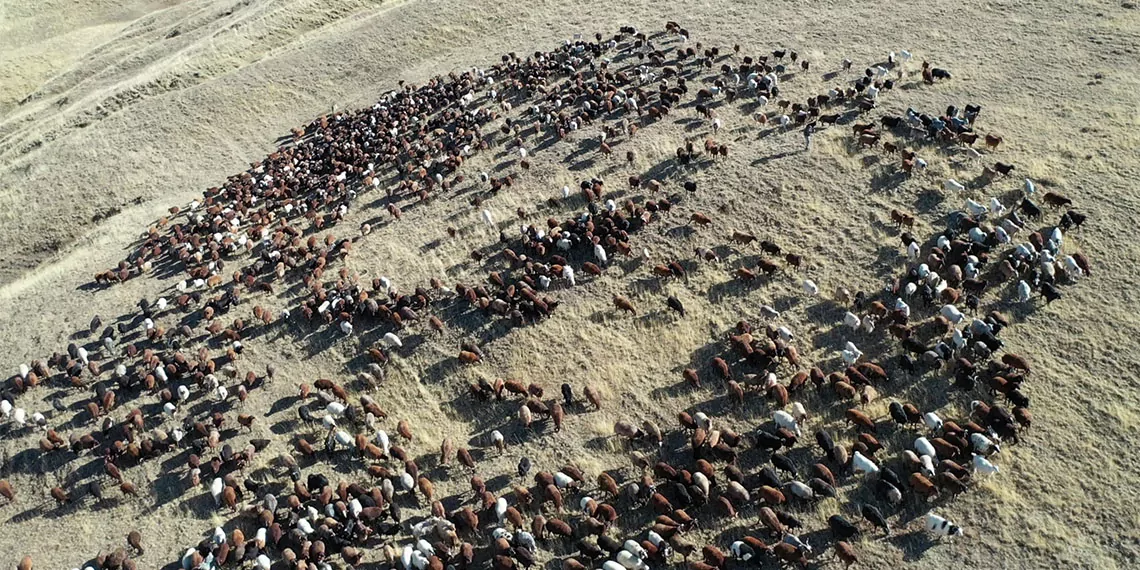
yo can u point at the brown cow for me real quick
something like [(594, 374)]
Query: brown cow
[(901, 218), (593, 397), (690, 375), (742, 238), (700, 219), (769, 519), (1015, 361), (789, 554), (860, 419), (846, 553), (624, 304), (868, 139), (771, 495), (922, 486)]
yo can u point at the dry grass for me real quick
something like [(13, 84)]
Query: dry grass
[(120, 110)]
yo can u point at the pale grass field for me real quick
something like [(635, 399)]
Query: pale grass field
[(102, 106)]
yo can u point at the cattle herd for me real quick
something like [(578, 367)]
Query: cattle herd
[(167, 378)]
